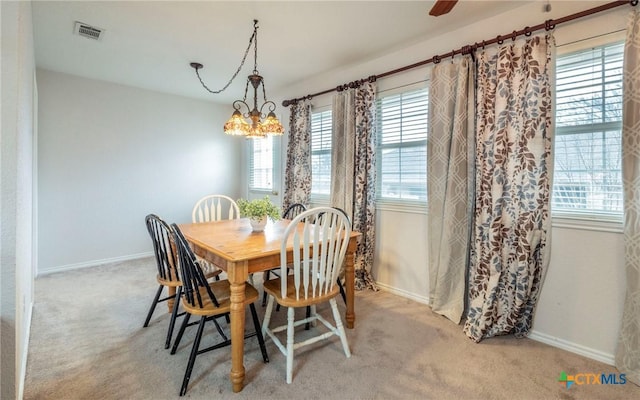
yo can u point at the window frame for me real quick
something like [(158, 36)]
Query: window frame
[(275, 168), (321, 198), (413, 206)]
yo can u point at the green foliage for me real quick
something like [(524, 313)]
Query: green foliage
[(258, 208)]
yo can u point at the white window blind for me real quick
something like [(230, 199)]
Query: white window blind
[(321, 153), (261, 164), (402, 145), (587, 172)]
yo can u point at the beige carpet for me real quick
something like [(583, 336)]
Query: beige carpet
[(87, 342)]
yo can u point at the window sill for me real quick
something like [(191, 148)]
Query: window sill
[(600, 224), (320, 201), (411, 207)]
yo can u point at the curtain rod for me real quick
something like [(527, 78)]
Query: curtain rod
[(469, 49)]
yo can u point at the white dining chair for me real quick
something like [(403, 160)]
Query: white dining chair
[(319, 237), (215, 207)]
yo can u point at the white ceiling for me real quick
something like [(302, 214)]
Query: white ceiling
[(150, 44)]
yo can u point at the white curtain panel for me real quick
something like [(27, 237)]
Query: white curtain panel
[(343, 150), (628, 351), (450, 163)]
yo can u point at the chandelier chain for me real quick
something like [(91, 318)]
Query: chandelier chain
[(246, 89), (253, 38), (264, 92), (255, 48)]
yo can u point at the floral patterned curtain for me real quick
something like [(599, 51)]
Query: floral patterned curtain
[(297, 178), (450, 147), (353, 170), (628, 351), (510, 240)]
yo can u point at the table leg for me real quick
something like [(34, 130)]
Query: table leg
[(170, 302), (349, 276), (237, 277)]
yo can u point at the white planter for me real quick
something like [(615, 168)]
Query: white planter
[(258, 224)]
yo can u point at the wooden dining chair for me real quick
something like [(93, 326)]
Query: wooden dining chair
[(207, 300), (214, 207), (168, 275), (294, 210), (166, 262), (318, 256), (290, 213)]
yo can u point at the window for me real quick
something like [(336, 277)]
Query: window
[(321, 153), (402, 146), (261, 164), (587, 173)]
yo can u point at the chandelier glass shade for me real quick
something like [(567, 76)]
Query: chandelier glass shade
[(254, 122)]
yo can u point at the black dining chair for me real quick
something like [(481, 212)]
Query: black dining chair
[(207, 300), (168, 270), (166, 262)]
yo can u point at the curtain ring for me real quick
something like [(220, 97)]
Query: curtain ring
[(500, 40), (548, 25), (436, 59), (514, 35), (634, 3), (453, 53), (482, 44), (527, 31)]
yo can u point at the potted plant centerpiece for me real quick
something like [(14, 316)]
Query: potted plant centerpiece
[(258, 211)]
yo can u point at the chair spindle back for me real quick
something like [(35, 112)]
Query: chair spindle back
[(320, 245), (215, 207), (294, 210), (193, 279), (163, 249)]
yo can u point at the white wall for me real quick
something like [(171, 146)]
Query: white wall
[(401, 253), (16, 194), (111, 154), (581, 301)]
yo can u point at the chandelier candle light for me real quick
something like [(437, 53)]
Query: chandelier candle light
[(259, 125)]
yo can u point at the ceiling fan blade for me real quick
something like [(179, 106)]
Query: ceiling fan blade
[(442, 7)]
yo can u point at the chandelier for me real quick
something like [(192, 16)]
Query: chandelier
[(253, 123)]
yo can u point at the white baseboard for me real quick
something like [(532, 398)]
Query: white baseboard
[(403, 293), (533, 335), (572, 347), (93, 263)]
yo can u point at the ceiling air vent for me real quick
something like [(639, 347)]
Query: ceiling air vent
[(88, 31)]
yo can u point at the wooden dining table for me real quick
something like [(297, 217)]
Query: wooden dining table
[(235, 248)]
